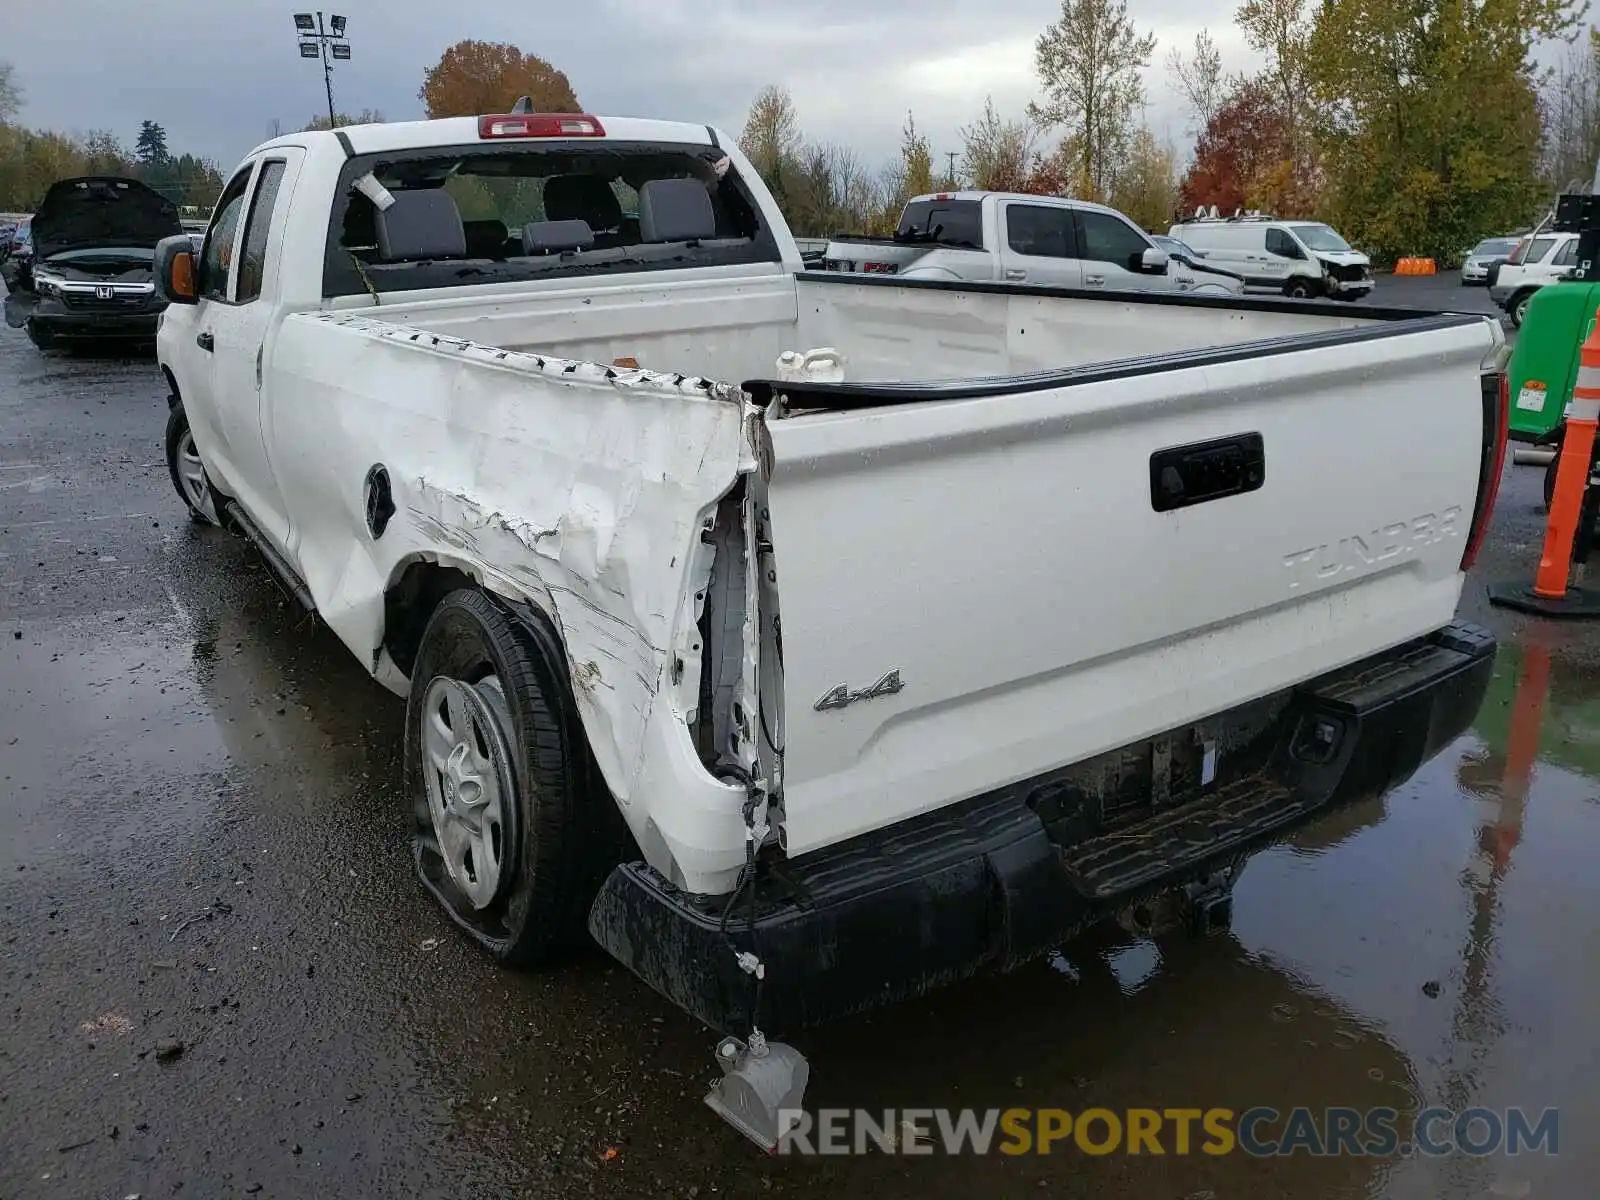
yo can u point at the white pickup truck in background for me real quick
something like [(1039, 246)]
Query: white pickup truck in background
[(803, 697), (1041, 241)]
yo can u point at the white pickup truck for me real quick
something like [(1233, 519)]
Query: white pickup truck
[(1048, 241), (1050, 611)]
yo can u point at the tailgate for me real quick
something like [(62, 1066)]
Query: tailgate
[(975, 591), (873, 258)]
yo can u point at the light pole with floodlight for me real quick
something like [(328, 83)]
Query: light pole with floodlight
[(316, 41)]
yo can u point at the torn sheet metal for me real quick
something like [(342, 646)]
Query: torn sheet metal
[(578, 487)]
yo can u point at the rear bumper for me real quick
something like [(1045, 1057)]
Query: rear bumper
[(988, 883)]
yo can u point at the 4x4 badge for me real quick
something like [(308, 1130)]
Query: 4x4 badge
[(841, 696)]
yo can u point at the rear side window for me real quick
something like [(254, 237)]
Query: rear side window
[(1567, 256), (1537, 249), (1042, 232), (253, 259), (1110, 239), (509, 211), (954, 223)]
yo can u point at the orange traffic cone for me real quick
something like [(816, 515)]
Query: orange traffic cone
[(1552, 594)]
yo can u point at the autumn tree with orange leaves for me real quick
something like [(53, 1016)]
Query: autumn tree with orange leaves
[(471, 78), (1239, 153)]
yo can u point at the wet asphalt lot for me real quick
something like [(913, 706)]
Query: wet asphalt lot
[(201, 842)]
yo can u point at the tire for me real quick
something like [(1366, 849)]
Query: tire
[(1297, 289), (183, 460), (519, 871), (1550, 476), (42, 337), (1518, 308)]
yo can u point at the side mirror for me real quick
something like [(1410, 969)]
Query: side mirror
[(176, 272), (1152, 262)]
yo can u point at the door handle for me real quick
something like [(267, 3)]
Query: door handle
[(1094, 280), (1204, 471), (205, 341), (1013, 273)]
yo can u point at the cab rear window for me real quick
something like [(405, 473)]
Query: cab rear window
[(954, 223), (469, 215)]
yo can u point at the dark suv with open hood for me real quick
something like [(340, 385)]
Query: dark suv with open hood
[(94, 241)]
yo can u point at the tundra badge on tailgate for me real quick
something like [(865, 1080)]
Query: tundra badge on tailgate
[(841, 696)]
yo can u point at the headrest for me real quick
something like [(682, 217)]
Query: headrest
[(485, 239), (550, 237), (676, 210), (421, 224), (582, 197)]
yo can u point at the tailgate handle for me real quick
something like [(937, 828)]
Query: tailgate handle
[(1205, 471)]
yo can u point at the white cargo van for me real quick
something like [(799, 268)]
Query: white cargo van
[(1298, 258)]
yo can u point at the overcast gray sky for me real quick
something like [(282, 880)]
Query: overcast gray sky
[(216, 75)]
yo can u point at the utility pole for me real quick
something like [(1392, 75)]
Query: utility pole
[(951, 173), (317, 41)]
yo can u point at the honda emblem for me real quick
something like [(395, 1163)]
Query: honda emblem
[(104, 291)]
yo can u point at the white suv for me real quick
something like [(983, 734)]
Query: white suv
[(1535, 262)]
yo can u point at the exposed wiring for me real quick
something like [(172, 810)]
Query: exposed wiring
[(362, 271), (749, 960)]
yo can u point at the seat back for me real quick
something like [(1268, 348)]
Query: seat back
[(586, 198), (421, 224), (676, 210)]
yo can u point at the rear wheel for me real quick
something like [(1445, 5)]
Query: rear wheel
[(1550, 476), (1518, 308), (513, 830), (1550, 479)]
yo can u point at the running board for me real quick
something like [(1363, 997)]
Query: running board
[(279, 565)]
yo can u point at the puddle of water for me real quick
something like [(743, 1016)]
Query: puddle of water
[(1435, 946), (1135, 965), (95, 714), (1465, 921)]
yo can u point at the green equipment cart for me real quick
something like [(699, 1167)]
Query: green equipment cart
[(1544, 364)]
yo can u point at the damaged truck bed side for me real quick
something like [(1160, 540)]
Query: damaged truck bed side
[(818, 692)]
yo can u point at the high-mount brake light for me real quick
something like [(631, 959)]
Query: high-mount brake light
[(539, 125)]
